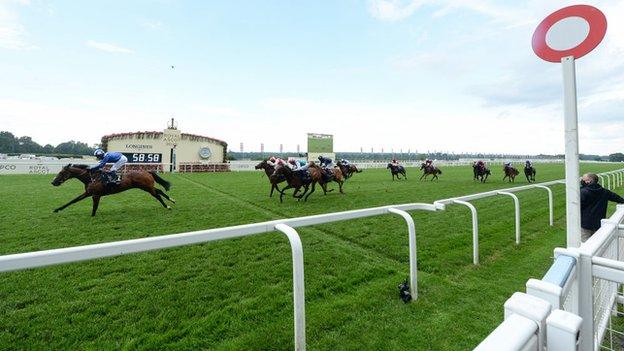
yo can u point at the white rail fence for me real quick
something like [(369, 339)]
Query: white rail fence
[(572, 306), (286, 226)]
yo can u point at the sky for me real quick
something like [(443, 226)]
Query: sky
[(418, 75)]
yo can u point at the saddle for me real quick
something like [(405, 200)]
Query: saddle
[(110, 179), (328, 175), (304, 175)]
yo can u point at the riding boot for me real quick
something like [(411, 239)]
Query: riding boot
[(113, 177)]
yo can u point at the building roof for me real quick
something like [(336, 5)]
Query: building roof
[(106, 138)]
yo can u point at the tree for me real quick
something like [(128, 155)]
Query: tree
[(8, 142), (616, 157), (26, 145)]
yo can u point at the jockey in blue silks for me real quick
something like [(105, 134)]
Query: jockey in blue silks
[(116, 158)]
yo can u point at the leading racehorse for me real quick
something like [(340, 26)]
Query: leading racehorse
[(429, 169), (396, 171), (95, 188)]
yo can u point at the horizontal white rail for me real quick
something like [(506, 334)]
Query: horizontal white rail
[(514, 334), (87, 252), (463, 200)]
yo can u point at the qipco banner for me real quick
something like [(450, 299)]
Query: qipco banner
[(29, 168)]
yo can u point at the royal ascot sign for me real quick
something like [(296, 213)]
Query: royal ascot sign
[(171, 137)]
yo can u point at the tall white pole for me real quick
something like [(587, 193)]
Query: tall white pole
[(573, 191)]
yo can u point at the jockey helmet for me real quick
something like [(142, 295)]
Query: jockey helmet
[(320, 157), (99, 153), (272, 159)]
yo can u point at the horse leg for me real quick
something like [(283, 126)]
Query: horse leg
[(152, 191), (340, 186), (79, 198), (404, 175), (311, 191), (305, 191), (96, 203), (163, 194), (282, 192), (423, 176)]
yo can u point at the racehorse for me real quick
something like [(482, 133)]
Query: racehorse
[(331, 174), (294, 181), (480, 173), (510, 173), (348, 170), (95, 188), (529, 172), (396, 171), (269, 170), (427, 170)]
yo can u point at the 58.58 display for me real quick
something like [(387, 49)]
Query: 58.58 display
[(139, 157)]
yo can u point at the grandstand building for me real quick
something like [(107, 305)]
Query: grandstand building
[(169, 150)]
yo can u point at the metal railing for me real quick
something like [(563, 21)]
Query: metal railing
[(582, 288), (285, 226), (464, 200)]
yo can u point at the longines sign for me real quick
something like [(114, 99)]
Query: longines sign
[(139, 146)]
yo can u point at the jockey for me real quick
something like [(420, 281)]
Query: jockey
[(394, 162), (528, 164), (507, 164), (326, 162), (292, 163), (428, 162), (276, 161), (345, 162), (480, 164), (117, 158)]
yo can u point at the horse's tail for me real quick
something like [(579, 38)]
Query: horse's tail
[(159, 180)]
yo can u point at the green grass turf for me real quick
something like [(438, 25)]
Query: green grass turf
[(237, 294)]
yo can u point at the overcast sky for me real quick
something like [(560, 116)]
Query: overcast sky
[(444, 75)]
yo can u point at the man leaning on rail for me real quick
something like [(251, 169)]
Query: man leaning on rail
[(594, 201)]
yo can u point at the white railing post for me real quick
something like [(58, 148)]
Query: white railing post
[(475, 229), (601, 179), (411, 230), (562, 330), (298, 284), (608, 181), (517, 208), (586, 300), (550, 203)]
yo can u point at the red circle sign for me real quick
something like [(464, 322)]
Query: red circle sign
[(597, 29)]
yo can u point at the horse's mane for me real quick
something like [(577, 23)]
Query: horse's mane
[(79, 166)]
